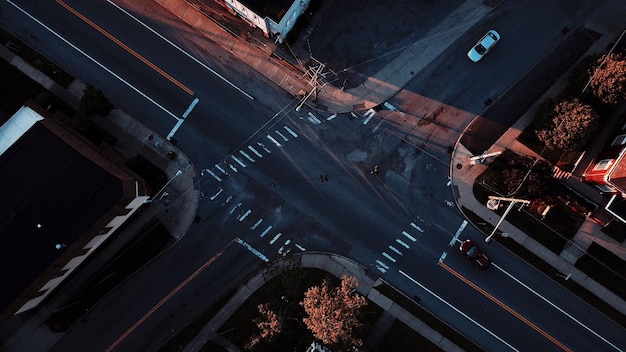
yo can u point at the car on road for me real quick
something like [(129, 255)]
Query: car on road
[(486, 43), (473, 253)]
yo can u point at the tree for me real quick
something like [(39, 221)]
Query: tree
[(333, 312), (527, 178), (269, 324), (94, 102), (608, 80), (570, 127)]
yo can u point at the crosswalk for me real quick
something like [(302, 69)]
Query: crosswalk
[(395, 250), (264, 234), (249, 154)]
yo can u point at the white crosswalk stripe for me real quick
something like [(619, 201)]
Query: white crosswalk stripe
[(246, 155), (281, 136), (255, 152), (238, 161), (389, 257), (291, 132), (274, 141)]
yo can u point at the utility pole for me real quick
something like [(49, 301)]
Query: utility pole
[(493, 204)]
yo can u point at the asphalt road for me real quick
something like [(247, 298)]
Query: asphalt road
[(354, 213)]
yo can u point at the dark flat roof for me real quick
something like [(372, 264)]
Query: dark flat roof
[(274, 9), (51, 194)]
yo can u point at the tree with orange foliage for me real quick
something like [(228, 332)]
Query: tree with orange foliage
[(333, 312), (269, 324), (608, 81)]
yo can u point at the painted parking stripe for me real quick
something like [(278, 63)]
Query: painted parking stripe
[(406, 234), (246, 155), (276, 238), (300, 247), (255, 152), (389, 257), (281, 135), (291, 132), (273, 140), (402, 243)]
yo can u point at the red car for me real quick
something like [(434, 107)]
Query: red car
[(469, 249)]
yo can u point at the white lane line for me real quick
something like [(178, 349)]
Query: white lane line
[(255, 152), (300, 247), (273, 140), (457, 310), (256, 225), (557, 308), (217, 166), (281, 135), (254, 251), (443, 256), (182, 51), (245, 215), (238, 161), (266, 231), (291, 132), (246, 155), (93, 60), (402, 243), (417, 227), (406, 234), (458, 233), (389, 257), (276, 238)]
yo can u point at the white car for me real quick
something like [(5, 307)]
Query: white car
[(483, 46)]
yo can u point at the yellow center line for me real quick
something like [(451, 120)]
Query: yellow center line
[(124, 46), (505, 307), (168, 296)]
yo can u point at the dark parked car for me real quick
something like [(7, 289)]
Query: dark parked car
[(472, 252)]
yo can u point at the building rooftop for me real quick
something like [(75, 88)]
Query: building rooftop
[(274, 9), (53, 192)]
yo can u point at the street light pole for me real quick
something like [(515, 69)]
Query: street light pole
[(508, 209)]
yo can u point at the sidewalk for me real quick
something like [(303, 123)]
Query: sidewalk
[(464, 176), (337, 266), (374, 91)]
